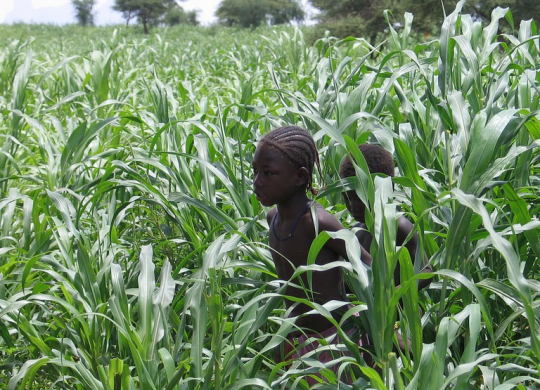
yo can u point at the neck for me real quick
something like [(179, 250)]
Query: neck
[(290, 209)]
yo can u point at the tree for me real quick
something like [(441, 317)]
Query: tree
[(192, 18), (429, 14), (287, 12), (253, 13), (177, 15), (353, 17), (149, 12), (84, 11), (521, 9), (366, 17)]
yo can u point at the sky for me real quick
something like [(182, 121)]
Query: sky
[(61, 11)]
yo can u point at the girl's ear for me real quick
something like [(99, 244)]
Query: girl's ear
[(302, 176)]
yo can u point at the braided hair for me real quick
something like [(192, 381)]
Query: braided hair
[(298, 146), (377, 159)]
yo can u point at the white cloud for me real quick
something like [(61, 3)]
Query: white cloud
[(5, 7), (48, 3)]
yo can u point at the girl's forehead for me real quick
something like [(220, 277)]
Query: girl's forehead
[(266, 150), (270, 154)]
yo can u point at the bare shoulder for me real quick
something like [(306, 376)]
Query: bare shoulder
[(404, 226), (327, 222)]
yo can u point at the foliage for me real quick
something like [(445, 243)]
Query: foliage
[(521, 10), (366, 17), (84, 11), (253, 13), (149, 12), (177, 15), (133, 253), (357, 18)]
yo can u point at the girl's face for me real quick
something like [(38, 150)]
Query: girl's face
[(275, 178), (355, 206)]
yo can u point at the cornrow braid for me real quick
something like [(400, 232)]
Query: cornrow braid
[(298, 146)]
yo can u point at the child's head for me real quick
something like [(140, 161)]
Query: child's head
[(378, 160), (297, 145), (289, 149)]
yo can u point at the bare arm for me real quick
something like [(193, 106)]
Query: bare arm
[(329, 223)]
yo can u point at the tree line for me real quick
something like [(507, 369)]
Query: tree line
[(343, 18), (367, 17), (146, 12)]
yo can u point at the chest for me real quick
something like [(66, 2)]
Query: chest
[(291, 251)]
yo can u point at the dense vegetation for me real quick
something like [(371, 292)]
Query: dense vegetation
[(133, 253), (366, 17), (254, 13)]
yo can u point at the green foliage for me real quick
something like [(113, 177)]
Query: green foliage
[(133, 253), (521, 10), (253, 13), (355, 18), (84, 11), (178, 16), (149, 12), (366, 18)]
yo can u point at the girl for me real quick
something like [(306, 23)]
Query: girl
[(283, 169)]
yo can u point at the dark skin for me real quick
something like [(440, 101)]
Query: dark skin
[(357, 209), (278, 182)]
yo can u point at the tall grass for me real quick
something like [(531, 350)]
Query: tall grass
[(134, 255)]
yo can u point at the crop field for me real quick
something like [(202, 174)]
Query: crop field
[(134, 255)]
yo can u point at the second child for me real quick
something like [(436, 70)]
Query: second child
[(379, 160)]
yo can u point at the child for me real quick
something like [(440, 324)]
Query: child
[(283, 167), (379, 161)]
